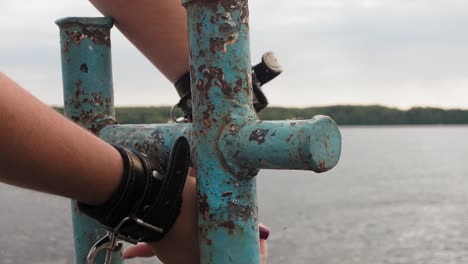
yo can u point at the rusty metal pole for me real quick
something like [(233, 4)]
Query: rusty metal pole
[(88, 100), (221, 91), (229, 143)]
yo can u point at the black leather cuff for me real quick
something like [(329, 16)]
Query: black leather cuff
[(147, 202), (260, 101), (182, 84)]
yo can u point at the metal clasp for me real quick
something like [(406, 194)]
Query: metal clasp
[(174, 117), (110, 242)]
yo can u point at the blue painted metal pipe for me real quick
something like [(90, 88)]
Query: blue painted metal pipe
[(293, 144), (229, 143), (155, 140), (88, 100), (220, 70), (313, 144)]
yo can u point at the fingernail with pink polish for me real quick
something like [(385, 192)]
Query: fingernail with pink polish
[(264, 232)]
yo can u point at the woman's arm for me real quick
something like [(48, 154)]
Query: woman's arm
[(42, 150), (158, 28)]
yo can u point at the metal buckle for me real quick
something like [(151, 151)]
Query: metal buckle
[(110, 241), (174, 116)]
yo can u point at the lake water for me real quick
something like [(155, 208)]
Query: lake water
[(398, 195)]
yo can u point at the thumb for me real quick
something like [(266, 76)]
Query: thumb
[(263, 251), (138, 250)]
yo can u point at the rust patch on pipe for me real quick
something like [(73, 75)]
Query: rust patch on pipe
[(84, 68), (229, 225), (216, 44), (78, 84), (239, 85), (207, 120), (92, 121), (199, 28), (239, 211), (226, 194), (203, 206), (214, 75), (158, 137), (233, 129), (322, 166), (75, 101), (259, 135), (96, 35), (95, 127), (202, 68), (97, 99), (99, 36)]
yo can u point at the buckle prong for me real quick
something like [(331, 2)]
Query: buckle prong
[(110, 242)]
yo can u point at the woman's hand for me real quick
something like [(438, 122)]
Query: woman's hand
[(144, 250), (184, 234)]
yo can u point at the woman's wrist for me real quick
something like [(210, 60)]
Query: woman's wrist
[(180, 245), (110, 184), (148, 200)]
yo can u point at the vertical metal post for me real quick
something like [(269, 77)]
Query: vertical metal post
[(229, 143), (88, 100), (221, 87)]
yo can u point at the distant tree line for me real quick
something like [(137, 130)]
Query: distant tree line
[(342, 114), (372, 115)]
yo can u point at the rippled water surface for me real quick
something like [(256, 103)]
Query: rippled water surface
[(399, 195)]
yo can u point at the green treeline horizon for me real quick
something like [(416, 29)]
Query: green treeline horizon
[(342, 114)]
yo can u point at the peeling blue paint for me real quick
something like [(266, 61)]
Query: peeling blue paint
[(229, 144), (88, 100)]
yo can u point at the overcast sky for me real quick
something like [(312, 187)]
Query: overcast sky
[(399, 53)]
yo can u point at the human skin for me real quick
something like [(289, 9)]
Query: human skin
[(56, 161), (163, 39), (158, 28)]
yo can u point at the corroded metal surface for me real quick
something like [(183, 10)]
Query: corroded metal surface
[(221, 89), (87, 71), (88, 100), (229, 143), (295, 144), (155, 140)]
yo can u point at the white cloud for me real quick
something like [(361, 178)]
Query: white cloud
[(393, 52)]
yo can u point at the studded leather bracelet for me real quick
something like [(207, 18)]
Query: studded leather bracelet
[(147, 202)]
